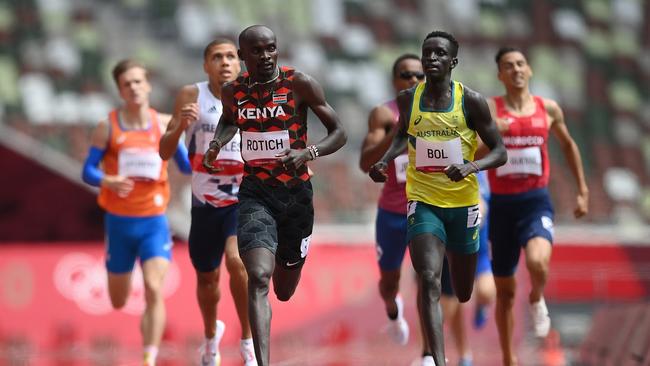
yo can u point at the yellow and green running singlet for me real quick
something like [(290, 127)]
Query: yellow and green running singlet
[(437, 139)]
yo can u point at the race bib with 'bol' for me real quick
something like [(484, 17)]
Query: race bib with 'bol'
[(435, 156)]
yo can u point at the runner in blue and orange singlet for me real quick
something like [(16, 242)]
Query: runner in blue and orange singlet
[(213, 231), (268, 105), (521, 213), (134, 192), (439, 124)]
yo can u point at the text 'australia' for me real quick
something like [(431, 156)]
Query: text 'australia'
[(264, 112)]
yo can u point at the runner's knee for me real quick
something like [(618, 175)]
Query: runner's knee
[(537, 265), (430, 281), (234, 265), (258, 277)]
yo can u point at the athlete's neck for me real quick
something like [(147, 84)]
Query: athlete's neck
[(438, 88), (135, 116), (260, 80), (215, 89), (517, 100)]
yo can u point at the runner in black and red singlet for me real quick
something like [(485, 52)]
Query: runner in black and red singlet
[(268, 105)]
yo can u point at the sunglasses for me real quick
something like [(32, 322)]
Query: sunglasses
[(407, 75)]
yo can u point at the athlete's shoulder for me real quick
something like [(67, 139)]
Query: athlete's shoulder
[(298, 76), (554, 111), (239, 80), (230, 87), (304, 85), (188, 92), (471, 93), (383, 114), (550, 105), (288, 71)]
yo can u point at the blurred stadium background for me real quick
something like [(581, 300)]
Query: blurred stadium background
[(592, 56)]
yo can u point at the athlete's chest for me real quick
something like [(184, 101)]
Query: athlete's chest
[(210, 112), (136, 138), (262, 105), (535, 124)]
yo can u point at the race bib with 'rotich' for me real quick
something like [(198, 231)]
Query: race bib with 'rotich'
[(261, 148)]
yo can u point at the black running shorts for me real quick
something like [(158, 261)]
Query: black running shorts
[(278, 218)]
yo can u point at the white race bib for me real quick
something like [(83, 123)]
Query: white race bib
[(435, 156), (401, 164), (522, 161), (231, 151), (139, 163), (260, 148)]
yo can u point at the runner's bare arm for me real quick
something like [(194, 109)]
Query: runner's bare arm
[(502, 126), (572, 155), (377, 141), (480, 119), (398, 136), (185, 112), (310, 92)]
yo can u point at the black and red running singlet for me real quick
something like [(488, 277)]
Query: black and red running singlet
[(269, 124)]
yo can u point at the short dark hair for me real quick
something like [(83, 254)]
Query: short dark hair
[(503, 50), (447, 36), (216, 42), (406, 56), (125, 65)]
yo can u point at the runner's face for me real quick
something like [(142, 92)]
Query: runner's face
[(409, 73), (437, 58), (134, 87), (260, 54), (514, 71), (222, 64)]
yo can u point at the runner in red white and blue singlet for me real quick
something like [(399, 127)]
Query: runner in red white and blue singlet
[(218, 190)]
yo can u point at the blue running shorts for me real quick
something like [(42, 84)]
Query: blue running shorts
[(514, 220), (130, 237), (390, 235)]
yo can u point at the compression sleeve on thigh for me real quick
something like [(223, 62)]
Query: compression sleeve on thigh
[(182, 160), (91, 173)]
